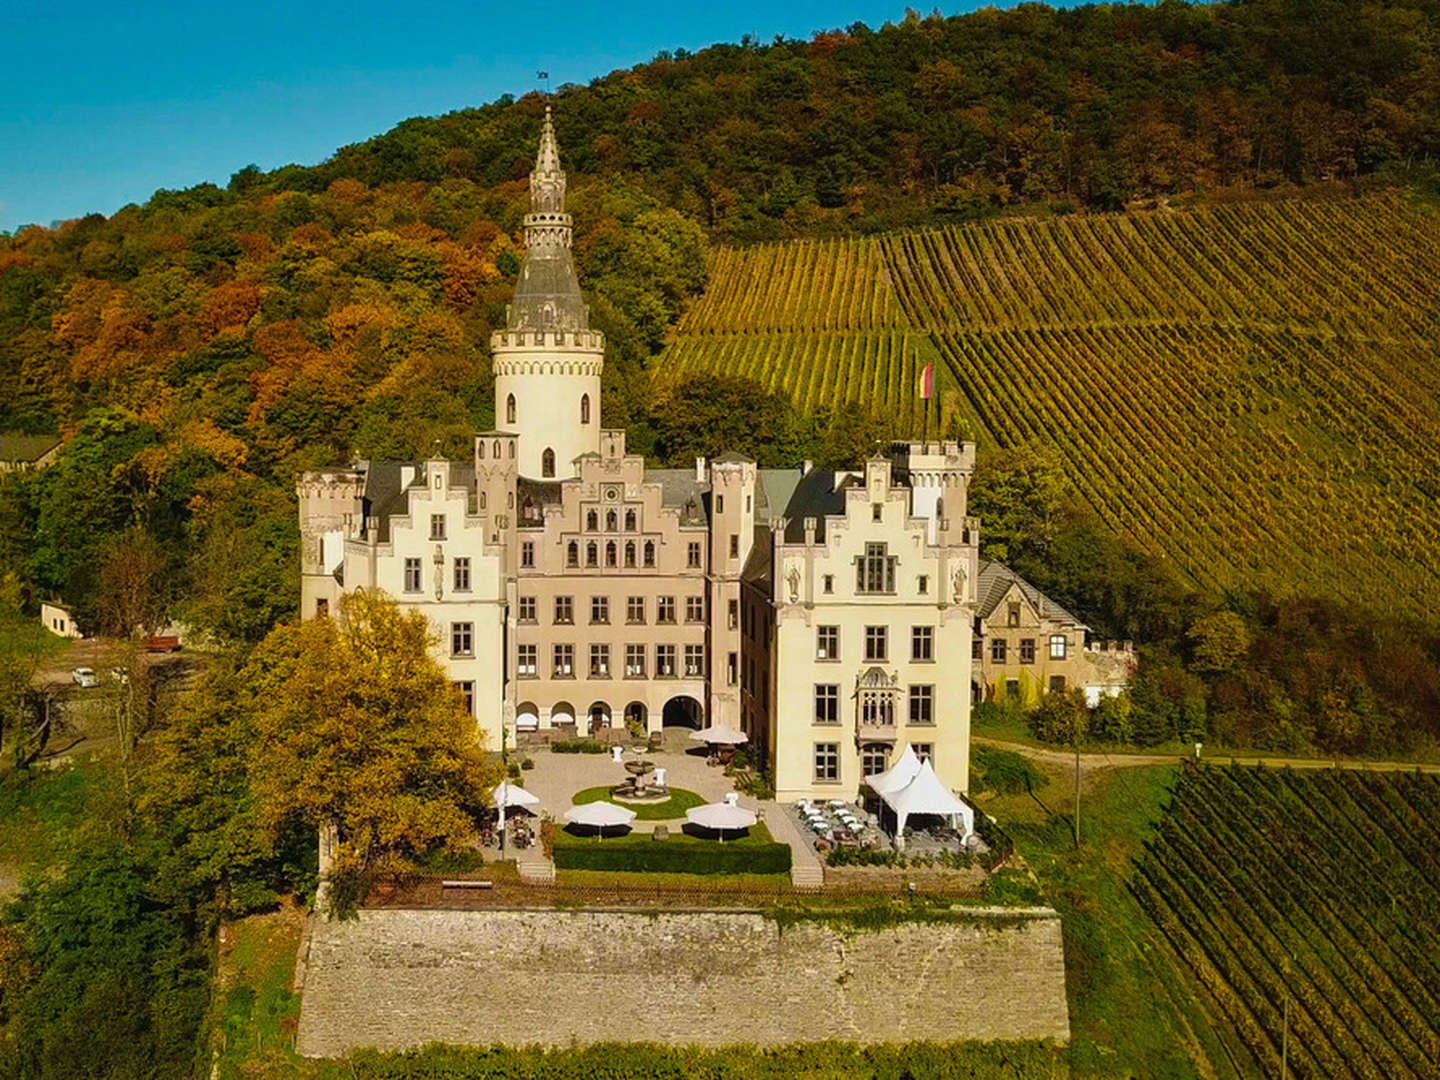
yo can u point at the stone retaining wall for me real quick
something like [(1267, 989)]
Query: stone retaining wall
[(396, 978)]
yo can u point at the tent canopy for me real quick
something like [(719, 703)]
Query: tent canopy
[(721, 816), (898, 775), (925, 794), (599, 815), (721, 735), (507, 794)]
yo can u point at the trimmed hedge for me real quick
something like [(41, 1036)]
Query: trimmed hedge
[(679, 854), (578, 746)]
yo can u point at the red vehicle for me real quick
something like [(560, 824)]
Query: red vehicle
[(162, 643)]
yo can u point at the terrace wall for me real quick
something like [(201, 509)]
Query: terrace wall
[(392, 979)]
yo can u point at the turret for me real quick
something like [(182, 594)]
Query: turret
[(496, 457), (547, 360), (331, 509)]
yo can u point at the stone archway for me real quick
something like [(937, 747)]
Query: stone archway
[(599, 715), (637, 716), (683, 711)]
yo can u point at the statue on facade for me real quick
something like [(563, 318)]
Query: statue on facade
[(959, 582), (794, 580)]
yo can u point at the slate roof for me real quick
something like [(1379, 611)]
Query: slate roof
[(995, 581), (678, 487), (26, 448)]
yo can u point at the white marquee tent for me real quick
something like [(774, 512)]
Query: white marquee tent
[(925, 794), (898, 775), (720, 735)]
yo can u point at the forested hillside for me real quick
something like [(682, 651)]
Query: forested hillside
[(1249, 391)]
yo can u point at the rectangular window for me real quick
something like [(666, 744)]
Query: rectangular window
[(922, 704), (694, 661), (875, 570), (599, 661), (564, 661), (694, 609), (1012, 617), (665, 609), (732, 669), (462, 639), (664, 661), (877, 643), (526, 611), (977, 648), (734, 614), (412, 575), (527, 553), (924, 751), (634, 609), (1027, 650), (1057, 684), (827, 584), (1012, 689), (437, 526), (525, 662), (827, 703), (827, 762), (997, 650), (922, 643), (322, 609), (564, 610), (1057, 647), (462, 575), (599, 609), (734, 545), (877, 512), (634, 661), (467, 696), (827, 643), (719, 504), (692, 555), (922, 584)]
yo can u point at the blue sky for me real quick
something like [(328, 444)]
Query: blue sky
[(101, 104)]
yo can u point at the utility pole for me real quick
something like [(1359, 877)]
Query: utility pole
[(1077, 790)]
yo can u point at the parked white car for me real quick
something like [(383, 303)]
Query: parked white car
[(84, 676)]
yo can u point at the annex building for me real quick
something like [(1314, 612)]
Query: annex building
[(830, 615)]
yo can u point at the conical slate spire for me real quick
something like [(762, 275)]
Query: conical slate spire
[(547, 295)]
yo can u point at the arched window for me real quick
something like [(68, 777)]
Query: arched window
[(584, 408), (481, 447), (592, 554), (612, 521), (512, 449), (649, 553), (510, 409), (497, 449), (630, 553), (610, 553), (592, 521), (547, 463), (629, 520), (482, 500), (572, 554)]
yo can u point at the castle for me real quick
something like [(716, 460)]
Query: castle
[(829, 615)]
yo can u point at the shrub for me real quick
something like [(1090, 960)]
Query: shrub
[(680, 854), (527, 763), (578, 746), (1003, 771)]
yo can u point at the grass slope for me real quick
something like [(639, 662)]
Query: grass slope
[(1220, 381)]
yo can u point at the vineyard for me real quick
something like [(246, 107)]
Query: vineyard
[(1304, 904), (1250, 391)]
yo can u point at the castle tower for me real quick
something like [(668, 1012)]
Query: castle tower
[(547, 360)]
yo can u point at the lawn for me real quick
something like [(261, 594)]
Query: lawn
[(755, 853), (671, 809)]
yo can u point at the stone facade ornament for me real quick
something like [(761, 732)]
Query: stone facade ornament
[(793, 578)]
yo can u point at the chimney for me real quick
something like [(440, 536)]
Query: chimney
[(699, 470)]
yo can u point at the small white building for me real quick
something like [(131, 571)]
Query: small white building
[(58, 620)]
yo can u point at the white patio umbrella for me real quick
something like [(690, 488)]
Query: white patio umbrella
[(599, 815), (720, 735), (721, 816), (506, 795)]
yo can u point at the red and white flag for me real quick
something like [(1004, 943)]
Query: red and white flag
[(927, 382)]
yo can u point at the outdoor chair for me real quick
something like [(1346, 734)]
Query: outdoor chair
[(659, 780)]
